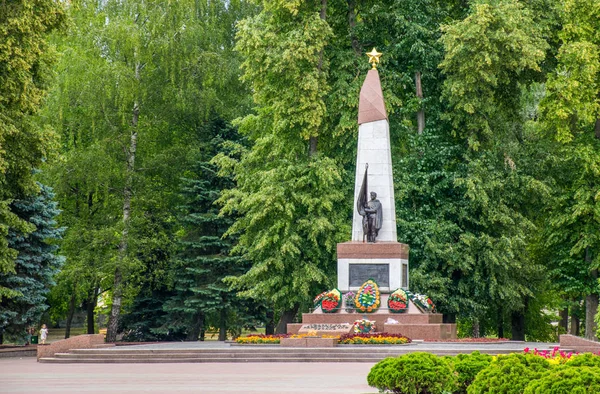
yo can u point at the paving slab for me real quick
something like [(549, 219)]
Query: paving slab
[(26, 376)]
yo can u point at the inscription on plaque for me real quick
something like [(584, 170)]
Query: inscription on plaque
[(326, 327), (360, 273)]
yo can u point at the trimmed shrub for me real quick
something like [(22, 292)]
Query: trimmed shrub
[(584, 360), (567, 379), (467, 366), (413, 373), (509, 374)]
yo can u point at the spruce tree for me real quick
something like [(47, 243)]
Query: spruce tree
[(200, 295), (36, 263)]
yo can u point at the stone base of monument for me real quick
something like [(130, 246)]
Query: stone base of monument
[(431, 332), (384, 262), (413, 324)]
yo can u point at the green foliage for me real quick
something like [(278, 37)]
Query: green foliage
[(174, 61), (413, 373), (281, 49), (509, 374), (35, 266), (467, 366), (570, 115), (25, 60), (286, 222), (566, 380), (199, 297), (486, 56), (571, 105), (584, 360)]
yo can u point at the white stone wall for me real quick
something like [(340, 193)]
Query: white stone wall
[(374, 148)]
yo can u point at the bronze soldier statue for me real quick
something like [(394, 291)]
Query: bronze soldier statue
[(372, 218)]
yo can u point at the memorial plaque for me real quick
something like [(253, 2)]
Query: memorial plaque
[(326, 328), (360, 273)]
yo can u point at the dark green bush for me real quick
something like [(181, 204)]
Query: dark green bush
[(509, 374), (413, 373), (467, 366), (584, 360), (567, 380)]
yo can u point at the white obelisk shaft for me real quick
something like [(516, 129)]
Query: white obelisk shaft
[(374, 149)]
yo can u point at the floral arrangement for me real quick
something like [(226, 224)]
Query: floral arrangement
[(318, 299), (331, 302), (383, 338), (261, 338), (554, 356), (398, 301), (367, 298), (349, 301), (422, 302), (363, 326)]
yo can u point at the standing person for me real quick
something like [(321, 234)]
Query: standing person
[(43, 334)]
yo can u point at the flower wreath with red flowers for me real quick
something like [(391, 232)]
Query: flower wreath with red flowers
[(318, 299), (398, 301), (331, 302)]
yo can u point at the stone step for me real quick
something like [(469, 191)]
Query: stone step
[(206, 360), (351, 349), (274, 354)]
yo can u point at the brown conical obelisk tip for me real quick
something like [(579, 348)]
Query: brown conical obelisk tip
[(371, 106)]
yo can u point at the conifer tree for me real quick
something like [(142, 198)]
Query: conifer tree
[(36, 264)]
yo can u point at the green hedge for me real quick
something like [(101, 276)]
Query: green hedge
[(509, 374), (467, 366), (476, 373), (413, 373), (567, 380)]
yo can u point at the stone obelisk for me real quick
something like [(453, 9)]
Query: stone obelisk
[(385, 260)]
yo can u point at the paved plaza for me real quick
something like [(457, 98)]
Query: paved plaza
[(25, 375)]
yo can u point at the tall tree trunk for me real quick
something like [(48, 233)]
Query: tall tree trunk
[(518, 326), (91, 303), (223, 325), (564, 319), (591, 300), (70, 314), (476, 332), (421, 112), (574, 329), (115, 312), (286, 318), (500, 323), (314, 140), (269, 323), (196, 328), (597, 128), (352, 25), (591, 308)]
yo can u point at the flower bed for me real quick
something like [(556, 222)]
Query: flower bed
[(554, 356), (261, 339), (380, 338), (469, 340)]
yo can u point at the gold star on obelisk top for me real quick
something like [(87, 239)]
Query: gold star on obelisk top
[(374, 57)]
